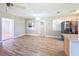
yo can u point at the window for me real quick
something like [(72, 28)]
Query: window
[(57, 24)]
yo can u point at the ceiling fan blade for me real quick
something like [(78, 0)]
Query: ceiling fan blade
[(9, 4), (73, 10), (17, 6)]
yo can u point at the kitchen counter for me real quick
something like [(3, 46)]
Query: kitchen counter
[(73, 37), (71, 44)]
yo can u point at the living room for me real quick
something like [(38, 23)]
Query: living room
[(35, 29)]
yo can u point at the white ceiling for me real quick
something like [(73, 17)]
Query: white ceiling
[(41, 9)]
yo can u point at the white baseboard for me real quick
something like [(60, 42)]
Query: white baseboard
[(13, 37), (32, 34), (52, 36), (45, 35), (35, 35), (19, 35)]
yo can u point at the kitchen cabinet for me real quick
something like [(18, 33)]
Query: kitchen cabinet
[(66, 45), (71, 45), (75, 48)]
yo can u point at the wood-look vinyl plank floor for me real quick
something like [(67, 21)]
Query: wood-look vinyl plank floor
[(32, 46)]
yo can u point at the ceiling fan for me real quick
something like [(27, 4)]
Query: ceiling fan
[(14, 5), (76, 11)]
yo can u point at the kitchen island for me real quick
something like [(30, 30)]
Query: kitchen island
[(71, 44)]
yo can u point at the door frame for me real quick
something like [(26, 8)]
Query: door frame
[(12, 26), (43, 22)]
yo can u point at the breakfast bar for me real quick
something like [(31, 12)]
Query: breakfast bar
[(71, 44)]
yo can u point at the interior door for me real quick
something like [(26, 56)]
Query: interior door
[(42, 28)]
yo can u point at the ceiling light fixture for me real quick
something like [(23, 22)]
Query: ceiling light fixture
[(37, 18), (77, 11), (58, 12)]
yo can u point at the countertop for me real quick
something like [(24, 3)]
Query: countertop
[(73, 37)]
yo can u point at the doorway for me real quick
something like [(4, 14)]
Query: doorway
[(42, 28), (7, 28)]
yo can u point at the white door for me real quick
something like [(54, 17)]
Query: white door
[(7, 28), (42, 28)]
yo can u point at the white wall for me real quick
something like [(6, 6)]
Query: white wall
[(32, 31), (0, 30), (57, 24), (19, 24), (49, 27)]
